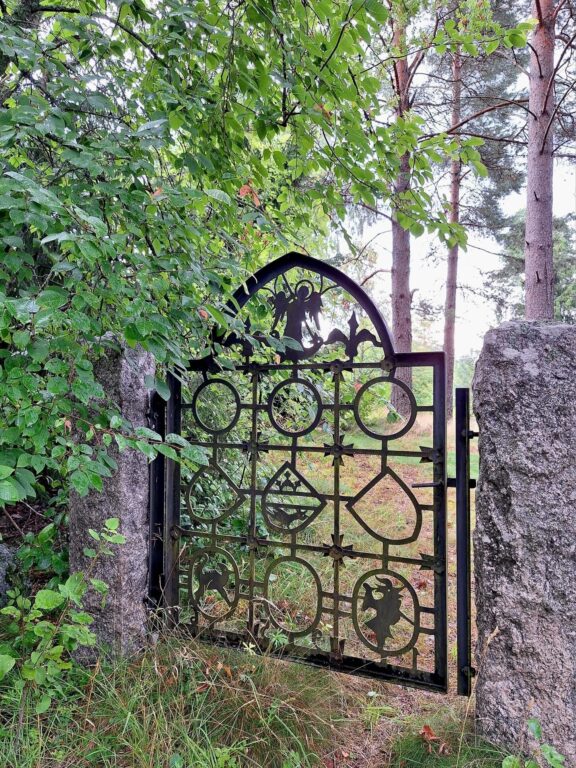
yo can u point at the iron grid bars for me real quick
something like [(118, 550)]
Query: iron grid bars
[(315, 528)]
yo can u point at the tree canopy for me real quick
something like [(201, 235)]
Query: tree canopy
[(153, 154)]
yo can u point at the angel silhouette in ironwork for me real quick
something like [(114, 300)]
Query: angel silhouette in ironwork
[(387, 608), (302, 305)]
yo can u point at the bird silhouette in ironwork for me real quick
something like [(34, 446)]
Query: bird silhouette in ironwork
[(387, 608)]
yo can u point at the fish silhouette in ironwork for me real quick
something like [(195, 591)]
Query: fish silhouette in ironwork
[(387, 608), (288, 499), (284, 519)]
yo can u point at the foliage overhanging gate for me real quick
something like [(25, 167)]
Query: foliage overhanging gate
[(317, 529)]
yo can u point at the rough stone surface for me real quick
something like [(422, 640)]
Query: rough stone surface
[(7, 557), (121, 624), (525, 539)]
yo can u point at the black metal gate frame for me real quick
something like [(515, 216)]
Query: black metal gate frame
[(166, 531)]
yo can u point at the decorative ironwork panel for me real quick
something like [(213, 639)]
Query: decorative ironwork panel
[(316, 528)]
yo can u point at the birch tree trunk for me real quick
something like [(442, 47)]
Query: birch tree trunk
[(538, 256), (454, 217), (401, 295)]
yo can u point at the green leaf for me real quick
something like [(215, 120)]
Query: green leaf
[(152, 382), (10, 491), (6, 664), (149, 433), (219, 316), (74, 587), (43, 704), (511, 762), (5, 471), (48, 599), (377, 10), (552, 756), (152, 127), (534, 728), (176, 439), (112, 523), (59, 237), (220, 195), (100, 586), (167, 451), (81, 482)]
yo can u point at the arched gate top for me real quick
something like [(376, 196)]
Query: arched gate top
[(294, 261)]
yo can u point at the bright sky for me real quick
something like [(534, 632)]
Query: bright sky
[(474, 315)]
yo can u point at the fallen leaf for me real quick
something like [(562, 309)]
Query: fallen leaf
[(431, 738)]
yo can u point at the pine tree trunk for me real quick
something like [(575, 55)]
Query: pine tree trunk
[(401, 296), (452, 272), (538, 257)]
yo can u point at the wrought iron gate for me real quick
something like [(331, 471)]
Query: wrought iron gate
[(316, 530)]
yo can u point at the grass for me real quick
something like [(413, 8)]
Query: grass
[(452, 750), (179, 705), (182, 704)]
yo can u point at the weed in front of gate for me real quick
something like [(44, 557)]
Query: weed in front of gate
[(438, 746), (180, 705)]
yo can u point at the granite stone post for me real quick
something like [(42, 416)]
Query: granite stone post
[(525, 539), (7, 559), (121, 623)]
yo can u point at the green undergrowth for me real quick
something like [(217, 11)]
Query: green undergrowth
[(178, 706), (450, 747)]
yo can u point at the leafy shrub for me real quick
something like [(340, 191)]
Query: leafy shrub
[(39, 633)]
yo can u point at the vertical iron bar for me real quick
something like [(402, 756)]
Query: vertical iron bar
[(463, 582), (440, 530), (172, 504), (156, 496)]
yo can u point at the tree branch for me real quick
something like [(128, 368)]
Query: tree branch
[(515, 102), (539, 12), (553, 115), (535, 52)]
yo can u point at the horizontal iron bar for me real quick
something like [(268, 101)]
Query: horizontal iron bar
[(362, 667), (321, 549), (308, 448)]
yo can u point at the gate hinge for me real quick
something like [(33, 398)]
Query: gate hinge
[(468, 671), (430, 455), (451, 482), (429, 563)]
